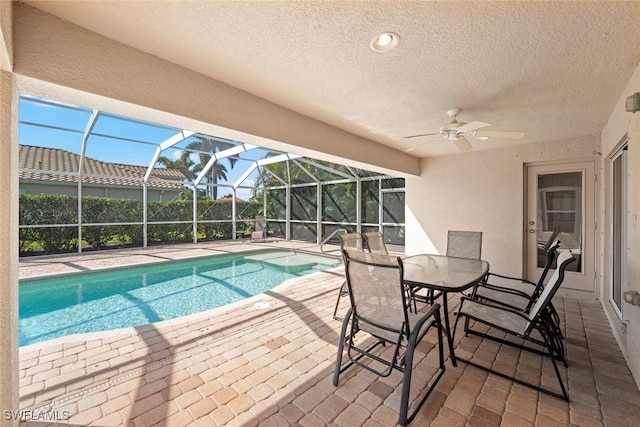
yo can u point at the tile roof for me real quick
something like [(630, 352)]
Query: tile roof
[(56, 165)]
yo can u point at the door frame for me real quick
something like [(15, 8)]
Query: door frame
[(590, 203), (616, 153)]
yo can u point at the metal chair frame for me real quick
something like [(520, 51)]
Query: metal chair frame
[(537, 320), (413, 328), (353, 241)]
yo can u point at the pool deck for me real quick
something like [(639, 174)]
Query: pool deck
[(242, 365)]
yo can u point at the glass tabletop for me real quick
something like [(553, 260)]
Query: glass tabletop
[(443, 273)]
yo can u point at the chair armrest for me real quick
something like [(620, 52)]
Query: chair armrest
[(519, 279), (415, 329), (507, 290), (488, 304)]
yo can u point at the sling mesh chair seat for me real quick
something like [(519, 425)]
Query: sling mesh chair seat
[(460, 244), (532, 328), (379, 317), (521, 294), (352, 242), (375, 242), (259, 232), (515, 292)]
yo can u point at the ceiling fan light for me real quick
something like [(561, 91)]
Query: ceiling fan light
[(385, 42), (482, 138)]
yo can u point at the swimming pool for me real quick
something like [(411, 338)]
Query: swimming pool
[(119, 298)]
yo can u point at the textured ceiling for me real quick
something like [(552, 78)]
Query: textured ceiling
[(550, 69)]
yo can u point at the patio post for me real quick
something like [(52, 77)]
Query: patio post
[(144, 214), (287, 214), (85, 138), (195, 214), (380, 206), (359, 205), (233, 213), (319, 213)]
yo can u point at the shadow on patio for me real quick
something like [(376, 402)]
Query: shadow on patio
[(246, 366)]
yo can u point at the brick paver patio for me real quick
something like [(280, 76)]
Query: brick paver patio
[(242, 366)]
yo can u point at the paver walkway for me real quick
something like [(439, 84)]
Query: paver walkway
[(245, 366)]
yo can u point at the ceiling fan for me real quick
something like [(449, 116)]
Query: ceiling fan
[(458, 133)]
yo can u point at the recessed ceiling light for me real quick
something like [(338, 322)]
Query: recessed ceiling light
[(385, 42)]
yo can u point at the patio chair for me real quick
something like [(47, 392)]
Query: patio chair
[(349, 241), (531, 328), (380, 310), (543, 246), (515, 292), (375, 242), (259, 232), (521, 294), (464, 244), (461, 244)]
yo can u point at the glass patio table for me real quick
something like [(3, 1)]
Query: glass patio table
[(445, 274)]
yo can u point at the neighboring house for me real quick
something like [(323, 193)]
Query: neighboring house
[(229, 198), (55, 171)]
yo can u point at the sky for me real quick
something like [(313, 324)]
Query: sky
[(138, 152)]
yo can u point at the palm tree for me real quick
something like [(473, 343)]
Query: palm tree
[(205, 147), (182, 164)]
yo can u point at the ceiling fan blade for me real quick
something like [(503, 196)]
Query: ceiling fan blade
[(473, 126), (415, 147), (463, 144), (422, 134), (499, 134)]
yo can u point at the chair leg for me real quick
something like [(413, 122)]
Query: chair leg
[(549, 352), (342, 292), (341, 340), (404, 418)]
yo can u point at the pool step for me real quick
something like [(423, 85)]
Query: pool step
[(283, 259)]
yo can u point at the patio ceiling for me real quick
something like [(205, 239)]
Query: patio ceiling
[(552, 70)]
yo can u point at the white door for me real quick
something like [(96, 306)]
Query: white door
[(561, 202)]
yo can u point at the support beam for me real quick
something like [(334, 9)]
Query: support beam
[(168, 143), (287, 214), (326, 168), (234, 225), (245, 175), (359, 206), (264, 172), (380, 206), (85, 139), (313, 177), (319, 214), (221, 155)]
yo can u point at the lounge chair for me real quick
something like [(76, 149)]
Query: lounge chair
[(534, 328), (259, 232), (515, 292), (521, 294)]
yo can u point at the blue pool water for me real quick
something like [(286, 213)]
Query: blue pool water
[(119, 298)]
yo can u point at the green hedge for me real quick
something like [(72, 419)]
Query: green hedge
[(44, 209)]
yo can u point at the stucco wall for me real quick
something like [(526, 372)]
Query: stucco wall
[(481, 190), (6, 35), (619, 123), (8, 245)]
